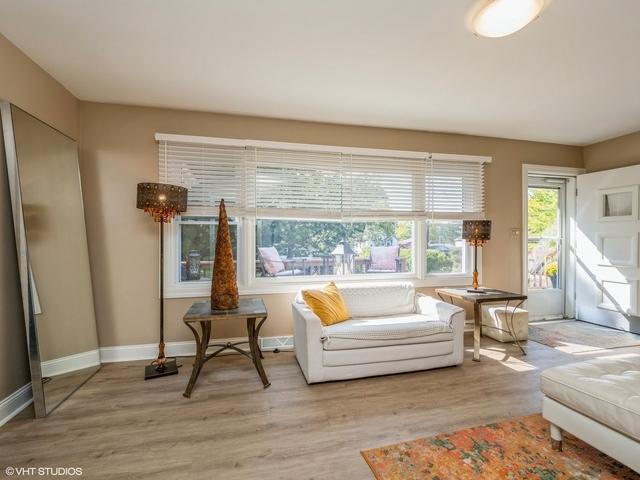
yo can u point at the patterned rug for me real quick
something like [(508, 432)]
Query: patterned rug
[(515, 449), (574, 336)]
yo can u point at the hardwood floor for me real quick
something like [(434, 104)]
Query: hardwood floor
[(119, 426)]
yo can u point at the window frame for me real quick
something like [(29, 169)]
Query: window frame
[(249, 284)]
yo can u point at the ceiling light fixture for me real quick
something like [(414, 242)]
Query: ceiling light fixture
[(499, 18)]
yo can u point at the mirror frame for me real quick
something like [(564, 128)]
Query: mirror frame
[(24, 264)]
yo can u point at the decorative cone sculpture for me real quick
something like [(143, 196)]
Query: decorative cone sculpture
[(224, 287)]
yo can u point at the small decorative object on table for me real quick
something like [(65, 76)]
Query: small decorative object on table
[(251, 310), (477, 233), (224, 286), (162, 201)]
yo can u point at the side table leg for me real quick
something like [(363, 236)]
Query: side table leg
[(256, 354), (202, 341), (477, 332), (509, 321)]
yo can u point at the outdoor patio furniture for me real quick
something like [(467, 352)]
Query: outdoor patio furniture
[(273, 265), (385, 260), (322, 265)]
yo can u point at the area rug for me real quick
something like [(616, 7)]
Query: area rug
[(575, 336), (514, 449)]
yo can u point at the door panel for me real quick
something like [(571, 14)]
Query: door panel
[(608, 227)]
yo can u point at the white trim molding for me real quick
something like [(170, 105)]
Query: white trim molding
[(15, 403), (203, 289), (70, 363), (149, 351)]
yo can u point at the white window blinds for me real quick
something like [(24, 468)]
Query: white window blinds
[(454, 189), (384, 187), (297, 184), (210, 172), (260, 179)]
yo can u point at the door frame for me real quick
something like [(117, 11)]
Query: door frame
[(569, 261)]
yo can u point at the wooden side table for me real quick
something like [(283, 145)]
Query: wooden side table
[(251, 310)]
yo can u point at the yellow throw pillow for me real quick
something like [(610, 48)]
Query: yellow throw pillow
[(327, 304)]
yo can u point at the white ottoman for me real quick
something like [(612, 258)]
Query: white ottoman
[(598, 401), (498, 323)]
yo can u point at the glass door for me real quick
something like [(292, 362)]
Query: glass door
[(546, 247)]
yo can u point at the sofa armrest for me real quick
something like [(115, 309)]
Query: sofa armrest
[(445, 312), (307, 341)]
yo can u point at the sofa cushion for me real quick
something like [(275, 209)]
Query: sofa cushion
[(391, 353), (604, 389), (327, 304), (384, 331), (379, 300)]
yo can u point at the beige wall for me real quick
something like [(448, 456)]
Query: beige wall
[(613, 153), (25, 84), (118, 150)]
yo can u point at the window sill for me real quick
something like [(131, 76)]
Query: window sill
[(288, 285)]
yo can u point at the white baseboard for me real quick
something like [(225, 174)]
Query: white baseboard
[(15, 403), (148, 351), (70, 363)]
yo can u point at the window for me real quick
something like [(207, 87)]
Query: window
[(307, 211), (446, 250), (197, 246), (618, 204), (286, 248)]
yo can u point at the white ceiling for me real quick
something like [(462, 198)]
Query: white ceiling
[(572, 76)]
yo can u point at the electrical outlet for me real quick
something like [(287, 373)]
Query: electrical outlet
[(515, 233)]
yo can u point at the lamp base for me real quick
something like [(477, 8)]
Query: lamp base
[(152, 371)]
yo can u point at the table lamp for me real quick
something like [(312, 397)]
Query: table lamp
[(477, 233), (162, 201)]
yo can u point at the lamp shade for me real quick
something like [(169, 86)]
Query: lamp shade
[(161, 200), (476, 232)]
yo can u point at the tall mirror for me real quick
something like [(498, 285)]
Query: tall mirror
[(53, 258)]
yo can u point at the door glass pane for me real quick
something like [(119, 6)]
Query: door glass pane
[(618, 204), (544, 237)]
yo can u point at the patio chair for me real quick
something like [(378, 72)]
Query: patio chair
[(273, 265), (385, 260)]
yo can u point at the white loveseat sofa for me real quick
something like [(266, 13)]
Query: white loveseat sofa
[(598, 401), (392, 330)]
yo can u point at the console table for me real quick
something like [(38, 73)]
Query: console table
[(251, 310), (487, 295)]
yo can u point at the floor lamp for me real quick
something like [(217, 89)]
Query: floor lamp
[(477, 233), (162, 202)]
